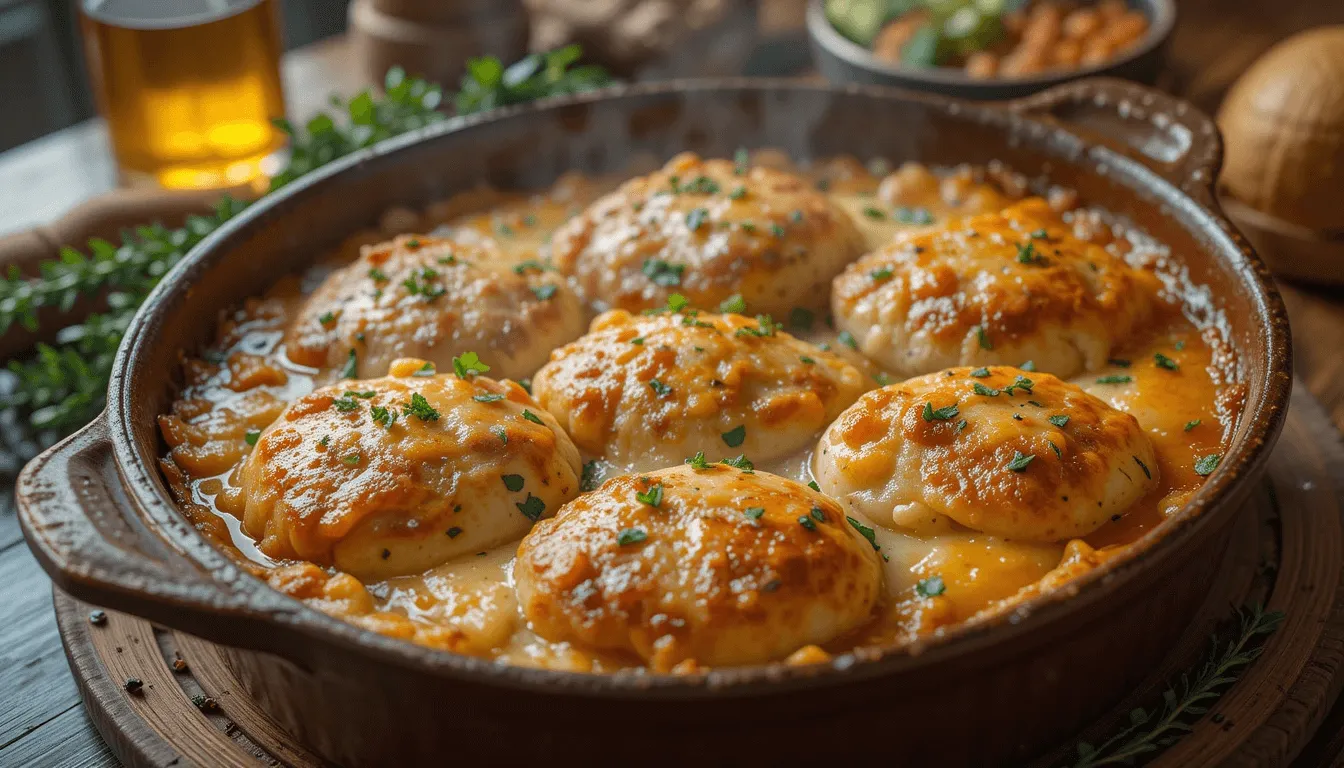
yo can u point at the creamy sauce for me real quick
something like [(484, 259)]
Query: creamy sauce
[(243, 381)]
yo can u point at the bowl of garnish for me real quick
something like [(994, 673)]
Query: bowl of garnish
[(988, 49)]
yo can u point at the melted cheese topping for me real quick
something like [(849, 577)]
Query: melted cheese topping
[(644, 392), (245, 461)]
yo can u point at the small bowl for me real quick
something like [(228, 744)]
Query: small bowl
[(842, 60)]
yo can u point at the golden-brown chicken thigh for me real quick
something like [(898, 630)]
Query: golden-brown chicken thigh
[(435, 298), (712, 565), (646, 391), (998, 288), (394, 475), (1023, 456), (709, 230)]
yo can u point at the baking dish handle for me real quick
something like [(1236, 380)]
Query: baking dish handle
[(82, 528), (1170, 136)]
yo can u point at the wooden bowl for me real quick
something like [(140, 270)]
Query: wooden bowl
[(99, 517), (842, 60)]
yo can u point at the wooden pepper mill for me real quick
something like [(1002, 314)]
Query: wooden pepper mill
[(434, 38), (1283, 175)]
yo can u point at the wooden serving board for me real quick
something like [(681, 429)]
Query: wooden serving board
[(1287, 552)]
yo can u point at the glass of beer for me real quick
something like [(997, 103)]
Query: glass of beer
[(189, 88)]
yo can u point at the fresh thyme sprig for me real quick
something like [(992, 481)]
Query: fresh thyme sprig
[(64, 384), (1185, 702)]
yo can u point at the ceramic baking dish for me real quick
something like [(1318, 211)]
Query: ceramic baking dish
[(99, 517)]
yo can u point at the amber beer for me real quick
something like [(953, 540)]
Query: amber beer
[(189, 88)]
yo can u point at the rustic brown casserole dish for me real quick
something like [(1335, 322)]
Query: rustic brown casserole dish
[(100, 519)]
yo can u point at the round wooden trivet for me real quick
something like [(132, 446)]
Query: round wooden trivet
[(1288, 552)]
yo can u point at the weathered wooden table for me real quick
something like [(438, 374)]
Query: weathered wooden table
[(41, 719)]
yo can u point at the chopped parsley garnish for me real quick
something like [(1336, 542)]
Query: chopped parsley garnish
[(765, 326), (734, 304), (980, 373), (544, 292), (813, 485), (1191, 424), (662, 273), (941, 414), (933, 586), (1163, 361), (982, 336), (526, 384), (738, 192), (532, 507), (385, 417), (425, 370), (416, 288), (1058, 453), (882, 378), (1027, 254), (487, 398), (1143, 466), (747, 227), (983, 391), (847, 338), (325, 441), (754, 513), (327, 318), (501, 433), (420, 408), (807, 522), (818, 514), (1022, 383), (365, 395), (961, 425), (1059, 420), (676, 302), (874, 213), (1118, 362), (588, 480), (1205, 466), (1029, 366), (350, 460), (631, 536), (1020, 461), (878, 275), (741, 162), (734, 437), (512, 482), (805, 360), (1122, 379), (531, 265), (468, 364), (1180, 346), (346, 404), (653, 496), (637, 341), (864, 531), (454, 532), (532, 417), (702, 185), (801, 319), (914, 216), (377, 275), (698, 461), (351, 368), (776, 229), (1040, 234), (252, 436), (696, 218), (741, 462), (659, 388)]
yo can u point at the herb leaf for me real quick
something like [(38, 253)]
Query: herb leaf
[(1205, 466), (653, 496), (468, 364), (941, 414), (933, 586), (1020, 461), (735, 436), (630, 536)]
